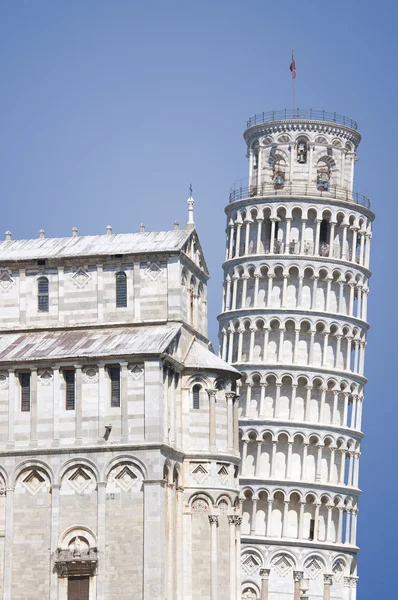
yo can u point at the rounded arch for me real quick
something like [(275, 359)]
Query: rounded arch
[(77, 461), (73, 531), (30, 463)]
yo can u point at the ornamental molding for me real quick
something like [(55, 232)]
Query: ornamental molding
[(4, 377), (90, 374), (6, 280), (80, 277), (45, 376), (136, 371), (300, 126), (153, 271)]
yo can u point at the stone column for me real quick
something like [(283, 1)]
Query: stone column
[(254, 516), (56, 407), (296, 345), (317, 236), (338, 349), (258, 458), (281, 342), (340, 526), (354, 526), (154, 576), (247, 236), (351, 300), (341, 296), (244, 456), (12, 380), (304, 465), (347, 527), (33, 408), (265, 349), (227, 300), (238, 523), (212, 419), (256, 287), (269, 289), (292, 415), (235, 279), (269, 516), (297, 576), (302, 239), (54, 536), (236, 423), (327, 582), (231, 239), (179, 569), (78, 404), (272, 240), (124, 425), (367, 251), (230, 419), (331, 239), (301, 520), (316, 520), (251, 347), (285, 521), (312, 341), (344, 246), (249, 386), (300, 291), (244, 291), (308, 403), (342, 467), (319, 463), (289, 460), (277, 399), (354, 244), (101, 495), (8, 539), (362, 247), (331, 467), (287, 241), (232, 557), (264, 574), (273, 457), (259, 227), (237, 245), (314, 291), (284, 290)]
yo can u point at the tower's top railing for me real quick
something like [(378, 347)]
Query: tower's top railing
[(301, 114)]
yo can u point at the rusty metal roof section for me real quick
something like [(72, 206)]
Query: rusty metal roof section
[(202, 358), (94, 245), (86, 343)]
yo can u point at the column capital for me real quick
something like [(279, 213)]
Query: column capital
[(298, 575), (213, 520), (327, 578), (238, 521), (264, 573), (211, 393)]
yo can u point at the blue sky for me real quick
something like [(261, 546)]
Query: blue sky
[(109, 110)]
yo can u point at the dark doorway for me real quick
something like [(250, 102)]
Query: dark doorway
[(78, 588)]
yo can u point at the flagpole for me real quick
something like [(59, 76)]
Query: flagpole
[(293, 78)]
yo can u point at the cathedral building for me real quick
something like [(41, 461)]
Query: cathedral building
[(294, 323), (119, 448)]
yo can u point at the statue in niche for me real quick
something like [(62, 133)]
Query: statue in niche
[(77, 550)]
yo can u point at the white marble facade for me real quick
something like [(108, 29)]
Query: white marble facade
[(119, 446), (294, 322)]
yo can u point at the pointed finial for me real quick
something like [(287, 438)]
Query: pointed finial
[(108, 230), (191, 202), (74, 231), (142, 228), (8, 235), (41, 233)]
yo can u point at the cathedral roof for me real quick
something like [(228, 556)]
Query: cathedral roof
[(94, 245), (86, 343), (199, 357)]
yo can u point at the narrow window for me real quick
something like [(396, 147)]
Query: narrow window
[(42, 294), (324, 232), (121, 290), (70, 389), (196, 394), (25, 392), (312, 529), (114, 373)]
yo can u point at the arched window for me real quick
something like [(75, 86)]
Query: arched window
[(121, 290), (196, 397), (42, 294)]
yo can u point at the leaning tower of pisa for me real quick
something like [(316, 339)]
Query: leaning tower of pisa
[(294, 322)]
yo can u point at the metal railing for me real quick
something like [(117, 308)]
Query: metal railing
[(302, 114), (241, 192)]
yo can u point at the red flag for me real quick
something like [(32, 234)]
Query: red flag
[(293, 68)]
